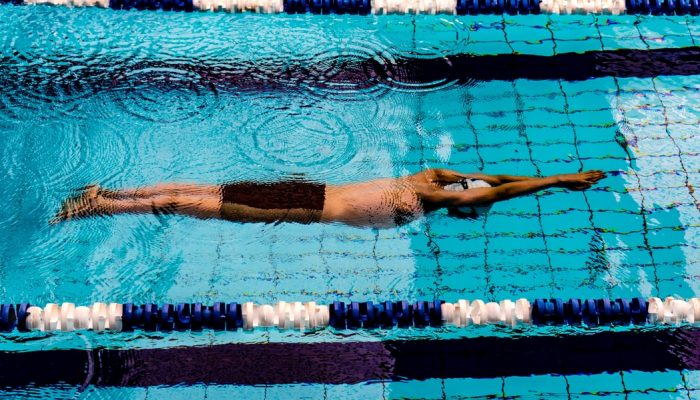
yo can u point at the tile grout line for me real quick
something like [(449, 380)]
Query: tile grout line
[(552, 285), (432, 244), (488, 271), (523, 134), (664, 111), (597, 238), (642, 205)]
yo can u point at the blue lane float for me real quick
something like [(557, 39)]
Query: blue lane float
[(379, 7), (352, 315)]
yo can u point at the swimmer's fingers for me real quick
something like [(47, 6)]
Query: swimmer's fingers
[(598, 177), (588, 181), (595, 175)]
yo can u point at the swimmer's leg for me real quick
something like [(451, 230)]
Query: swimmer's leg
[(194, 205), (93, 203), (163, 189)]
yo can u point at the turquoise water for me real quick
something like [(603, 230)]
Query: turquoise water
[(125, 99)]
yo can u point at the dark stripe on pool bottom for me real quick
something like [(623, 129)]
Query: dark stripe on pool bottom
[(566, 66), (70, 76), (355, 362)]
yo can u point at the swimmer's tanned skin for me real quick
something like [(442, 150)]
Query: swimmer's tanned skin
[(377, 203)]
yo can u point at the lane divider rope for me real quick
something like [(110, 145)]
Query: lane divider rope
[(339, 315), (365, 7)]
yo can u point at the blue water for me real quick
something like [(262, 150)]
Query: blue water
[(119, 98)]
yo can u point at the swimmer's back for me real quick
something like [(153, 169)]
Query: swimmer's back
[(381, 202)]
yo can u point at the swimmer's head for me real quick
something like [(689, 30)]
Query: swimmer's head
[(471, 212)]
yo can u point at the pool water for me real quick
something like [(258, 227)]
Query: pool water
[(134, 98)]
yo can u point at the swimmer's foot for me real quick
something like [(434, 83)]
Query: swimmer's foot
[(102, 192), (86, 204)]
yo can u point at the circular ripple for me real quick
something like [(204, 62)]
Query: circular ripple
[(319, 59), (166, 93), (311, 140), (420, 64), (421, 73), (47, 68), (54, 90), (36, 166), (287, 62), (193, 38), (349, 70)]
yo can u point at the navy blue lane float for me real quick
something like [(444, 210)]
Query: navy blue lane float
[(165, 5), (352, 315), (365, 7)]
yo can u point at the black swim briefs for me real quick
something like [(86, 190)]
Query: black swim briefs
[(284, 195)]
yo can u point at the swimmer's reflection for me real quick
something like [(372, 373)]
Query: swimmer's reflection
[(376, 203)]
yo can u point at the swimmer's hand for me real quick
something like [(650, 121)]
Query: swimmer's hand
[(580, 181)]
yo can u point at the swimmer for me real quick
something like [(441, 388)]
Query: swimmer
[(375, 203)]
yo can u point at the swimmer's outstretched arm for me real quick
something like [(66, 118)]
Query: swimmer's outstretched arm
[(450, 176), (580, 181), (497, 180)]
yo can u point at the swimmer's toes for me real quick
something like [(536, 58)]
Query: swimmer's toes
[(109, 193), (70, 210), (95, 191), (58, 218), (80, 206)]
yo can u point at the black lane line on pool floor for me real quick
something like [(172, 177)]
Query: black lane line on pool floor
[(346, 72), (355, 362)]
